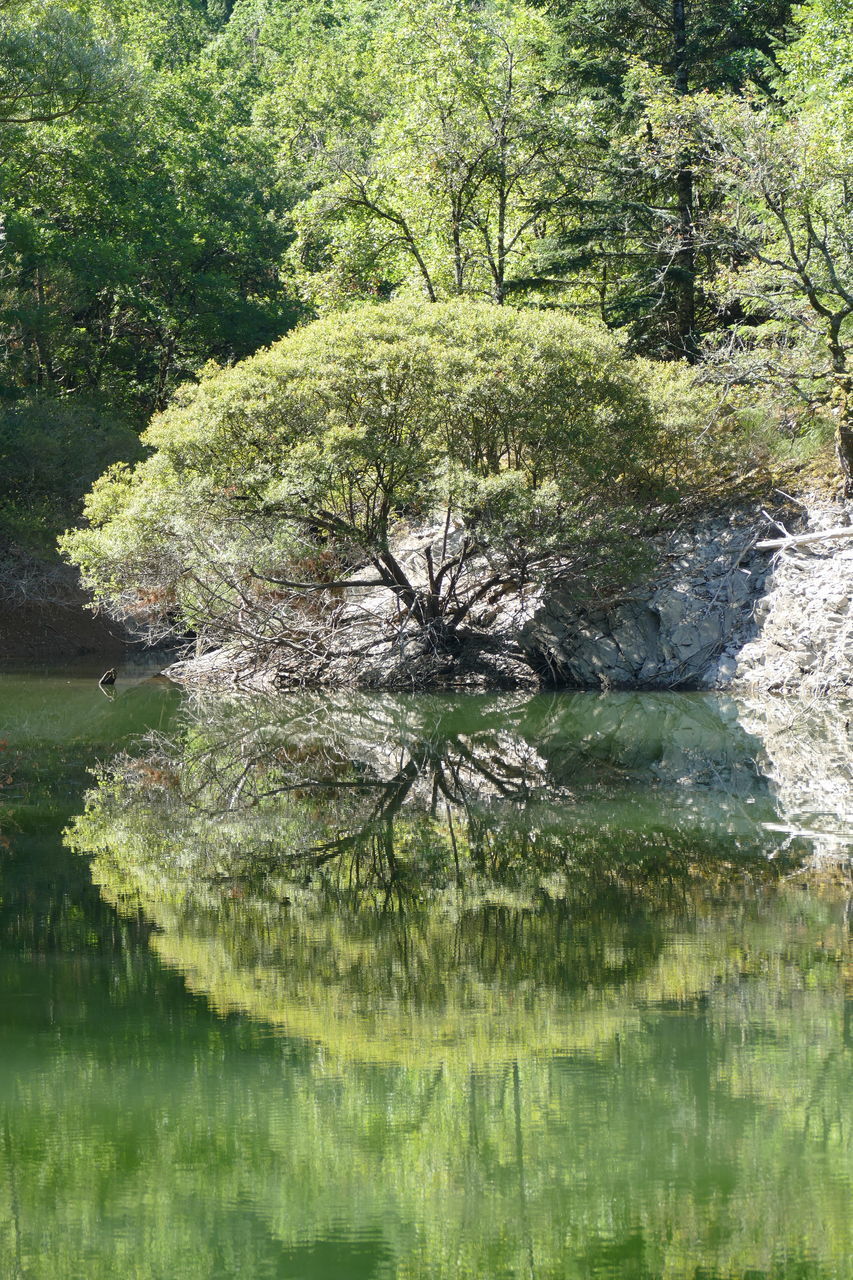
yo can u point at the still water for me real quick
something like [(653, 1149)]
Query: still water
[(348, 987)]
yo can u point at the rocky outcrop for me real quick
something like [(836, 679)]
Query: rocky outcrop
[(680, 630), (717, 613), (803, 640)]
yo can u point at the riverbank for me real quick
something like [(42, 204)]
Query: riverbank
[(722, 611), (717, 611), (44, 618)]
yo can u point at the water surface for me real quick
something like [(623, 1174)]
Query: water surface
[(422, 987)]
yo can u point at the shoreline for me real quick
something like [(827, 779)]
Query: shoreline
[(717, 613)]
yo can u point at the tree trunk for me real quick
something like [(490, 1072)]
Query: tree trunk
[(503, 192), (499, 268), (843, 403), (41, 338), (679, 36), (685, 254), (456, 233), (685, 270)]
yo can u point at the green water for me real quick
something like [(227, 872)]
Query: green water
[(420, 987)]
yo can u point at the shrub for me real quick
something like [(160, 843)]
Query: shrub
[(531, 431)]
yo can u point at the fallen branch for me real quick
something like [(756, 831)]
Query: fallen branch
[(806, 834), (795, 540)]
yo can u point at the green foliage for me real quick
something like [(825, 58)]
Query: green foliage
[(727, 44), (128, 265), (51, 450), (325, 830), (787, 209), (184, 181), (532, 429), (784, 171), (142, 218), (636, 233), (816, 63), (52, 64), (431, 147)]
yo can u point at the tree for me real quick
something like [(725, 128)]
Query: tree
[(787, 171), (143, 226), (52, 65), (640, 226), (280, 477), (431, 150), (145, 238)]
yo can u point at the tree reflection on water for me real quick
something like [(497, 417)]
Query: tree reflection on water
[(513, 988), (403, 873)]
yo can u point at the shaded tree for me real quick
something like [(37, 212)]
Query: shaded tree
[(638, 227), (523, 445)]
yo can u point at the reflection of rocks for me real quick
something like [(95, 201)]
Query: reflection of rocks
[(661, 738), (807, 755), (614, 755), (395, 871), (664, 761), (706, 766)]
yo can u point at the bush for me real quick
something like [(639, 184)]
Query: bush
[(531, 430), (51, 450)]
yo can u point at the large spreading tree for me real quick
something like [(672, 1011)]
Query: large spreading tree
[(523, 441)]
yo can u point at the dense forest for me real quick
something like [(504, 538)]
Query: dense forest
[(185, 181)]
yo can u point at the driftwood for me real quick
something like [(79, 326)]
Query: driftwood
[(797, 539), (806, 833)]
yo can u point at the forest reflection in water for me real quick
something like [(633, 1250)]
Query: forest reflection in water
[(565, 1009), (394, 875)]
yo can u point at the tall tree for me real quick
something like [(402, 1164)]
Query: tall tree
[(432, 151), (52, 64), (638, 226), (787, 170)]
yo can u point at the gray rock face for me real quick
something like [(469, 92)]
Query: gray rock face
[(804, 638), (679, 631), (718, 613)]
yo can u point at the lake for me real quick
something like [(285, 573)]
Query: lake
[(350, 986)]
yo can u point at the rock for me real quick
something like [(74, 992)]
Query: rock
[(716, 614), (689, 638), (740, 588), (667, 634), (803, 640), (726, 669)]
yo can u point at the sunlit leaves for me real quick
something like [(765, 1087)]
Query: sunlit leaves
[(339, 433)]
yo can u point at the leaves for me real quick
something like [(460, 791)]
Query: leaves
[(320, 454)]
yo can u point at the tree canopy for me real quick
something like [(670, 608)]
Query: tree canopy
[(528, 441), (185, 181)]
